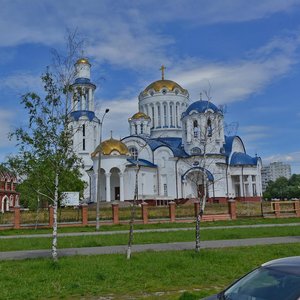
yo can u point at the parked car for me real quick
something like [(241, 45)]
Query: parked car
[(278, 279)]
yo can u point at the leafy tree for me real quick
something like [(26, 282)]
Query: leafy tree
[(283, 188), (69, 181), (46, 159)]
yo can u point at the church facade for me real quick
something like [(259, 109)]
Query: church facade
[(175, 149), (9, 198)]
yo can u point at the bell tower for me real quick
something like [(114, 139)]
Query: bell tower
[(84, 123)]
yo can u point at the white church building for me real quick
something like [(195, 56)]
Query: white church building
[(178, 147)]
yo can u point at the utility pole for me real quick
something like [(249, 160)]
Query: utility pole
[(99, 175)]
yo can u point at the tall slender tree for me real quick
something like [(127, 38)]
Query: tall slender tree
[(45, 147)]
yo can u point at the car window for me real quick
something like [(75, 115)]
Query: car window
[(265, 284)]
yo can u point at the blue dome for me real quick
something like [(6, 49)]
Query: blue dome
[(76, 115), (201, 106)]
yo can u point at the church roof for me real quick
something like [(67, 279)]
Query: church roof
[(108, 146), (229, 143), (139, 115), (209, 175), (163, 83), (83, 80), (141, 162), (239, 158), (174, 144), (201, 106), (83, 60)]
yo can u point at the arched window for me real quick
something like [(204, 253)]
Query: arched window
[(142, 128), (133, 152), (87, 99), (153, 117), (135, 129), (165, 115), (171, 115), (196, 129), (196, 151), (209, 128), (158, 116)]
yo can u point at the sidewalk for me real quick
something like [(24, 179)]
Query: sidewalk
[(17, 255), (47, 235)]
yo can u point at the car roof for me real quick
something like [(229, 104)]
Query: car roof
[(287, 265)]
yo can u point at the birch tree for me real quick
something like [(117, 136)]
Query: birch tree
[(204, 155), (135, 199), (133, 212), (45, 147)]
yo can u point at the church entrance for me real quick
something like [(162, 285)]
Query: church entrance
[(196, 184), (117, 193), (200, 190), (5, 204), (115, 183)]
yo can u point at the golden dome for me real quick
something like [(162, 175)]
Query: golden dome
[(160, 84), (110, 147), (83, 61), (139, 115)]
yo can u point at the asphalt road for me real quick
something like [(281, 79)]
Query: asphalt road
[(27, 254)]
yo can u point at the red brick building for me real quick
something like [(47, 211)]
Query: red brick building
[(9, 198)]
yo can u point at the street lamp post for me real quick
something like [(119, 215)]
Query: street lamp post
[(99, 175)]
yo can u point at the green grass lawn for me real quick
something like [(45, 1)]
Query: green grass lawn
[(146, 276), (240, 221), (146, 238)]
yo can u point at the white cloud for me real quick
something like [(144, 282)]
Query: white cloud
[(238, 79), (210, 12), (117, 118), (123, 33), (254, 133), (21, 82)]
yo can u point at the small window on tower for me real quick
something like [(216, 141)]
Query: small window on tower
[(196, 129), (133, 152), (209, 128), (142, 128), (83, 130), (83, 144)]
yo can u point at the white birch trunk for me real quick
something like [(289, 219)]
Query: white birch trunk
[(54, 228), (130, 240), (202, 198)]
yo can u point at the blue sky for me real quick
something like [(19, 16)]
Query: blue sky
[(247, 51)]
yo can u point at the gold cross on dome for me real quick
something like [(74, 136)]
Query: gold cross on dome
[(162, 68)]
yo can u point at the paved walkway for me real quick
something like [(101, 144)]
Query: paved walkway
[(47, 235), (13, 255)]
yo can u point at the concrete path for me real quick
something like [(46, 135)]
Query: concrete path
[(47, 235), (13, 255)]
